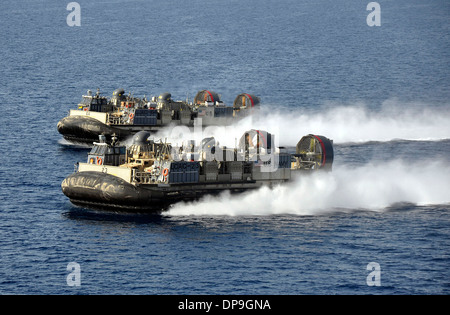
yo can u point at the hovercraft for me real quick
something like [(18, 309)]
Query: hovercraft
[(149, 175), (124, 115)]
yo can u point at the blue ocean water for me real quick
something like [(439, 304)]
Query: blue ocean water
[(381, 93)]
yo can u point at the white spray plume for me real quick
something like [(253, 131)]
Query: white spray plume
[(374, 186), (341, 123), (369, 187)]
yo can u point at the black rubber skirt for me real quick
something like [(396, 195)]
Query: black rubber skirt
[(84, 129), (108, 191)]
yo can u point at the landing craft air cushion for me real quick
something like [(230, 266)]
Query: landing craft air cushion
[(124, 115), (149, 175)]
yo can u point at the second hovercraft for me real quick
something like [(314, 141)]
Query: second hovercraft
[(149, 175), (124, 115)]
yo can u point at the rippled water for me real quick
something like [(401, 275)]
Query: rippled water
[(380, 92)]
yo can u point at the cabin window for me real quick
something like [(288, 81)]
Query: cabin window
[(98, 150), (86, 101)]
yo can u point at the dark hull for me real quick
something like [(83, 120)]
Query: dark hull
[(102, 190), (85, 130)]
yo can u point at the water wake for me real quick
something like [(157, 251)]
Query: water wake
[(358, 123), (65, 143), (342, 123), (370, 187)]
